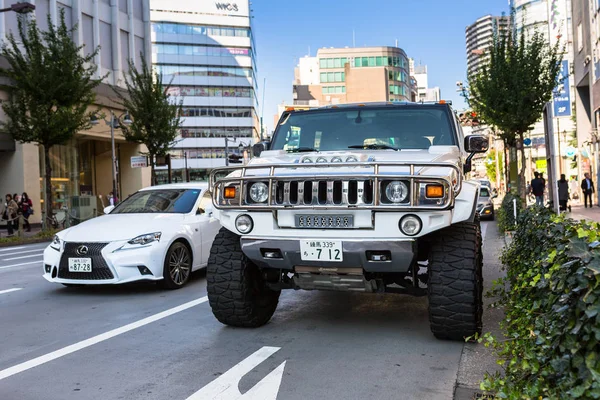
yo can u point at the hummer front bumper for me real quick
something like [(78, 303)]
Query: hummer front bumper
[(370, 255)]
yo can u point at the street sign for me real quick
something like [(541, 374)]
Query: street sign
[(139, 162), (570, 151), (527, 141)]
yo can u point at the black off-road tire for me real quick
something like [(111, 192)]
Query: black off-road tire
[(455, 287), (237, 292)]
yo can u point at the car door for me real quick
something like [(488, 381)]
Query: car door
[(209, 225)]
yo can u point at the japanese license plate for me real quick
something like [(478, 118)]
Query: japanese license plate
[(321, 250), (80, 265)]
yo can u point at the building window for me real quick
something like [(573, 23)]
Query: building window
[(193, 50), (106, 48), (325, 63), (220, 112), (334, 89), (199, 30), (210, 91), (193, 70)]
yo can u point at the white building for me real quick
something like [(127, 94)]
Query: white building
[(480, 37), (424, 92), (82, 167), (206, 51)]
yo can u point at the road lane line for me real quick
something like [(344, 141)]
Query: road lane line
[(10, 290), (21, 264), (19, 258), (5, 373), (21, 252), (11, 249)]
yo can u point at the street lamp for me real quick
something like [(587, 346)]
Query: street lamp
[(114, 123), (23, 7)]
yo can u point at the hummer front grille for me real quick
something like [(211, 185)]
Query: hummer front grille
[(358, 185)]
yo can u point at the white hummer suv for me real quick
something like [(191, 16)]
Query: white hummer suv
[(359, 197)]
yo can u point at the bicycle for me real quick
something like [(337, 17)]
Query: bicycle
[(58, 218)]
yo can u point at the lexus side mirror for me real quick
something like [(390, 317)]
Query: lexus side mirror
[(476, 144), (260, 147), (108, 209)]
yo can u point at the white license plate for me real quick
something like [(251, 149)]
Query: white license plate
[(321, 250), (80, 265)]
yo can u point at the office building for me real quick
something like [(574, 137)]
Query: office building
[(206, 51), (479, 38), (349, 75), (424, 92), (81, 169)]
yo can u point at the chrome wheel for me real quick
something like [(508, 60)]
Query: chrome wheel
[(179, 264)]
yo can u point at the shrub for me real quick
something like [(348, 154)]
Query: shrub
[(551, 296), (506, 216)]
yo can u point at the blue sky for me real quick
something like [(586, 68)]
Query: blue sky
[(430, 31)]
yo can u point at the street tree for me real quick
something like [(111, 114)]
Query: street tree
[(156, 115), (51, 88), (511, 89)]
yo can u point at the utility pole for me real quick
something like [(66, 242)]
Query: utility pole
[(113, 156)]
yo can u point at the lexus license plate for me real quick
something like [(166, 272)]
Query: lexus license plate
[(321, 250), (80, 265)]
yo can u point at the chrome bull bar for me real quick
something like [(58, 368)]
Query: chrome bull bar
[(415, 178)]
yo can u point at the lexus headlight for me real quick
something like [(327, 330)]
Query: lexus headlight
[(396, 191), (259, 192), (145, 239), (55, 242)]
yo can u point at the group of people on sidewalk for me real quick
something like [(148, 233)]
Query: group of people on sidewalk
[(15, 206), (538, 188)]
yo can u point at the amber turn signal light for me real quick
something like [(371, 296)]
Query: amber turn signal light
[(230, 192), (434, 191)]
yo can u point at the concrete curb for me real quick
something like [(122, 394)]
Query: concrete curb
[(25, 241)]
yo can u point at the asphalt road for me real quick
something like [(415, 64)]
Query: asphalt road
[(139, 342)]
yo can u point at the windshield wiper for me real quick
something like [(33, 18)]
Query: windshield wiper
[(373, 147), (301, 150)]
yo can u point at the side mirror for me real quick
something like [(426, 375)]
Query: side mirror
[(260, 147), (476, 144), (108, 209), (208, 211)]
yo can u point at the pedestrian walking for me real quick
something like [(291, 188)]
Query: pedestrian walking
[(112, 199), (538, 185), (563, 193), (26, 207), (587, 186), (10, 214)]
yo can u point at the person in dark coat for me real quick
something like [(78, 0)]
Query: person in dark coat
[(587, 186), (563, 193)]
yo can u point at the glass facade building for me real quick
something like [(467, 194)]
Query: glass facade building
[(207, 55)]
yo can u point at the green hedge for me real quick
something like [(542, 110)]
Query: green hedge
[(506, 213), (551, 297)]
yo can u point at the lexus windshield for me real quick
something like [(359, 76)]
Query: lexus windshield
[(376, 128), (171, 201)]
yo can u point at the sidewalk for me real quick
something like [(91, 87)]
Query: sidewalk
[(34, 231), (579, 212)]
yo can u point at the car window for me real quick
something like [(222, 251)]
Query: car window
[(484, 192), (170, 201), (414, 127)]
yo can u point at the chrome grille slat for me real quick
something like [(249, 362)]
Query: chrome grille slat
[(330, 192), (360, 195), (301, 193), (345, 185), (315, 192), (286, 193)]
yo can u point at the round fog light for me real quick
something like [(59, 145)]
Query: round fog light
[(410, 225), (244, 224)]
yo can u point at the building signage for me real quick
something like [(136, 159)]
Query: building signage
[(139, 162), (227, 6), (562, 95)]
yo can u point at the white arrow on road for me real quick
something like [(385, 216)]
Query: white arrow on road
[(225, 387)]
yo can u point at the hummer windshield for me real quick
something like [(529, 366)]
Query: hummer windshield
[(379, 128)]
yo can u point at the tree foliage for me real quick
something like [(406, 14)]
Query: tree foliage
[(52, 87), (510, 90), (156, 118)]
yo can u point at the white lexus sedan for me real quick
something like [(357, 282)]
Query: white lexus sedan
[(161, 233)]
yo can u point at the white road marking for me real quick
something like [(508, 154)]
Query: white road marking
[(21, 252), (10, 290), (5, 373), (19, 258), (225, 387), (21, 264), (12, 248)]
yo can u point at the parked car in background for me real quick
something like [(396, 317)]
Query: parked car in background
[(485, 205), (486, 182), (161, 233)]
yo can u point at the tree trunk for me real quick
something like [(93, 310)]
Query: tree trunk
[(48, 177), (522, 186), (153, 172)]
